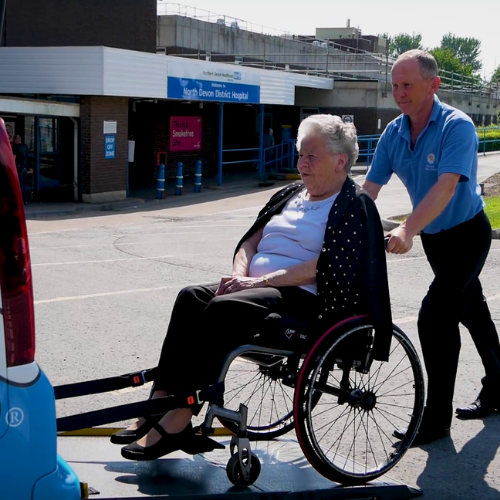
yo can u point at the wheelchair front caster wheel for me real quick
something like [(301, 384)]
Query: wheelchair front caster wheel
[(235, 473)]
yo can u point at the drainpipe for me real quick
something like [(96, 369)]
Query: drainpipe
[(3, 3), (220, 144), (75, 158), (262, 159)]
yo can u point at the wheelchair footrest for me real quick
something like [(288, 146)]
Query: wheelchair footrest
[(201, 444)]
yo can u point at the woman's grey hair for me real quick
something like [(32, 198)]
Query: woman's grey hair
[(426, 61), (340, 137)]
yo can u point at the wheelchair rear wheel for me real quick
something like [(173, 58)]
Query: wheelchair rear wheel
[(348, 406), (259, 382)]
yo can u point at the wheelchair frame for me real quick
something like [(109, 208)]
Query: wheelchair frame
[(338, 383)]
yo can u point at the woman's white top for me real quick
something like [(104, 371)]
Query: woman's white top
[(294, 236)]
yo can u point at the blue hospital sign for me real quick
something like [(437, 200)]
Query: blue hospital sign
[(206, 81), (205, 90), (109, 146)]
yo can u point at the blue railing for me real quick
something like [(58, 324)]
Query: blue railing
[(481, 132), (282, 158), (367, 145), (250, 155)]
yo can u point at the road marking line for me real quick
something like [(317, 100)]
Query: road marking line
[(408, 319), (34, 247), (493, 297), (108, 260), (104, 294), (411, 319), (406, 259)]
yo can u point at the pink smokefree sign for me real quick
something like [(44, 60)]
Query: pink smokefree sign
[(185, 133)]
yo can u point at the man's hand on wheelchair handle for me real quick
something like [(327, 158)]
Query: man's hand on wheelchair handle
[(399, 240)]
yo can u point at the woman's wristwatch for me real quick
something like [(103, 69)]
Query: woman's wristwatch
[(266, 280)]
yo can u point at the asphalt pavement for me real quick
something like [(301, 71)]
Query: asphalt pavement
[(105, 282)]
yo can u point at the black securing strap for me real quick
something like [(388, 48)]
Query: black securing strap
[(134, 410), (118, 413), (135, 379), (127, 411), (212, 394)]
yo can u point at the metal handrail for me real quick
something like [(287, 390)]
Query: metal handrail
[(251, 160), (372, 140), (483, 141), (329, 66), (323, 58), (281, 158)]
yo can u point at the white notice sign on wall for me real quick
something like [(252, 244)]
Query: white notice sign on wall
[(109, 127)]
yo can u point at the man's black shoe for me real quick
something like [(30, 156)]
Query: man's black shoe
[(423, 437), (478, 409)]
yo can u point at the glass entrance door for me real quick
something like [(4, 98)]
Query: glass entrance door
[(48, 172)]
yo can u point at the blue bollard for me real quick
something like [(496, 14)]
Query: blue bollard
[(197, 176), (178, 177), (160, 182)]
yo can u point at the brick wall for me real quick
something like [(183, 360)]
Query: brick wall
[(126, 24), (97, 174)]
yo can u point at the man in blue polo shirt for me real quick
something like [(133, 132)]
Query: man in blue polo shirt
[(432, 148)]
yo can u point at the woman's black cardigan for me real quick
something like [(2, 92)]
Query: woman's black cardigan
[(352, 269)]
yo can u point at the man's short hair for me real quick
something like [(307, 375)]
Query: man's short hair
[(426, 61), (17, 137)]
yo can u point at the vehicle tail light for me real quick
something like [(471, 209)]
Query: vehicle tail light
[(15, 265)]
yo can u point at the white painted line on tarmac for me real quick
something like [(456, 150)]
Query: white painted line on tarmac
[(34, 247), (402, 321), (99, 245), (411, 319), (104, 294), (493, 297), (407, 259), (404, 259), (257, 208), (77, 262)]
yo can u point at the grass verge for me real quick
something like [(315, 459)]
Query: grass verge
[(492, 210)]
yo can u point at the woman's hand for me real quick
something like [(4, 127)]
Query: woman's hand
[(231, 284)]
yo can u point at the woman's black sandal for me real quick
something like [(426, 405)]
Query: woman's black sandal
[(127, 436), (165, 445)]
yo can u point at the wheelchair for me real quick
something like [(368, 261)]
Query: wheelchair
[(343, 404)]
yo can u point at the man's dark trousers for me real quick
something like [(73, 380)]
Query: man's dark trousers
[(455, 296)]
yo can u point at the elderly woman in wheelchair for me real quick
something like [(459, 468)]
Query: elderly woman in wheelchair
[(309, 281)]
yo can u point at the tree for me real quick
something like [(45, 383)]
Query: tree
[(466, 50), (447, 61), (403, 42)]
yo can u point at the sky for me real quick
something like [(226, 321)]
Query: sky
[(432, 19)]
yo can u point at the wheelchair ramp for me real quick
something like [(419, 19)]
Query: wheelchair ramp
[(286, 474)]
